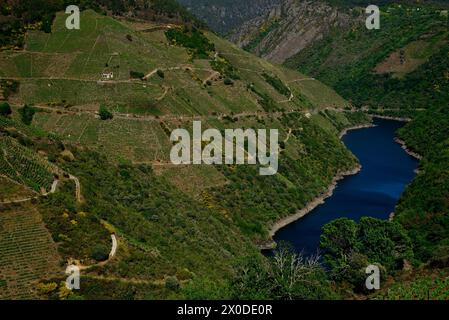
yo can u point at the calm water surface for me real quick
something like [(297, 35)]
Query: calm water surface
[(387, 169)]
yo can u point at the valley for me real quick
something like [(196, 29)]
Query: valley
[(87, 116)]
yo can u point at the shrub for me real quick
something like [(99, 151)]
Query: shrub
[(5, 109), (100, 253), (228, 82), (161, 73), (27, 114), (172, 283), (225, 68), (104, 113), (349, 247), (194, 40), (285, 276), (277, 84), (136, 75)]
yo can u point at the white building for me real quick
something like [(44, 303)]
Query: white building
[(107, 75)]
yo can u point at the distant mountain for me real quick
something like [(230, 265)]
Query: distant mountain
[(291, 27), (224, 16), (280, 29)]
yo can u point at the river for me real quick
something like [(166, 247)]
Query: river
[(386, 171)]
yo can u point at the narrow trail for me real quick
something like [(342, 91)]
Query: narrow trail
[(164, 94), (289, 133), (77, 187), (52, 190), (302, 79), (112, 253), (157, 282)]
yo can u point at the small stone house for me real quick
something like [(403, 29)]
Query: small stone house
[(107, 75)]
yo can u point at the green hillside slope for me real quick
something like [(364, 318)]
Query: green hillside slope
[(180, 229), (401, 66)]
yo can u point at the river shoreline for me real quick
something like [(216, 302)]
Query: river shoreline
[(391, 118), (406, 149), (271, 244)]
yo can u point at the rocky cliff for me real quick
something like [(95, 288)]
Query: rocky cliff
[(290, 27), (223, 16)]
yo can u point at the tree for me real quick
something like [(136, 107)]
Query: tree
[(172, 283), (5, 109), (27, 113), (136, 75), (161, 73), (338, 240), (100, 253), (285, 276), (104, 113), (384, 242), (228, 82), (350, 247)]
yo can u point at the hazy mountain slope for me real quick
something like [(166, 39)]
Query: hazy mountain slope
[(291, 27), (176, 225), (400, 66), (225, 15)]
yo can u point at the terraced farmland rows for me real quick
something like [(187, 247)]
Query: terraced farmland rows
[(137, 141), (27, 253), (11, 190), (22, 165)]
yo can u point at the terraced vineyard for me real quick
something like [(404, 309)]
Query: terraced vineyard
[(23, 165), (27, 253), (11, 190)]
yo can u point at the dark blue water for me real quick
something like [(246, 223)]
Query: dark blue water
[(387, 169)]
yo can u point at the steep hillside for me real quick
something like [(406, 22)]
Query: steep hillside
[(19, 16), (180, 229), (223, 16), (401, 66), (291, 27)]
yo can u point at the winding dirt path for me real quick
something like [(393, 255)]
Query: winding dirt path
[(112, 254), (77, 187)]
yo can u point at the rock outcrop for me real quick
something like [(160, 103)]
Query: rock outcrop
[(290, 27)]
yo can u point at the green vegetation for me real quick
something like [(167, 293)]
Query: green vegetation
[(224, 67), (25, 242), (5, 109), (160, 73), (263, 32), (192, 39), (285, 276), (17, 18), (104, 113), (27, 113), (371, 77), (423, 209), (256, 202), (182, 232), (136, 74), (425, 285), (277, 83), (350, 247), (22, 165), (228, 82), (347, 60), (9, 87)]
